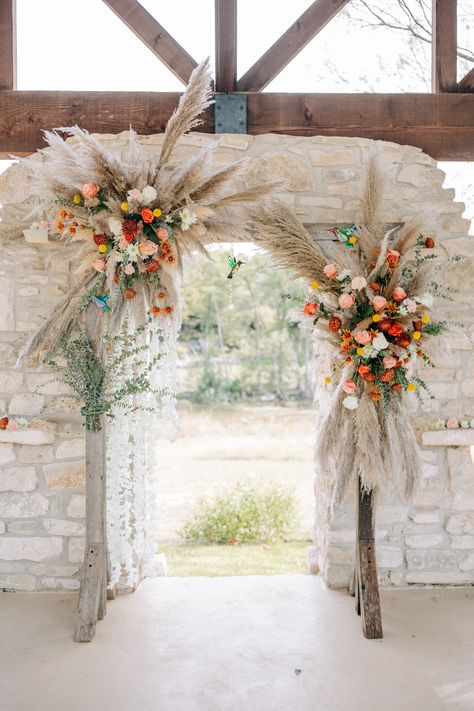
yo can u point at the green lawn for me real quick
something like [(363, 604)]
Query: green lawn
[(247, 559)]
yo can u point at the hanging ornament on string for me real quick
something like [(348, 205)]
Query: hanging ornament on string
[(234, 265)]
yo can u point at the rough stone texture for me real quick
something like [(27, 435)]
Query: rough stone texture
[(42, 500)]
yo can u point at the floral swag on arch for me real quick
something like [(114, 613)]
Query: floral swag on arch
[(126, 221)]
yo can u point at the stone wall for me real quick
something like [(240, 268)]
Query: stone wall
[(42, 499)]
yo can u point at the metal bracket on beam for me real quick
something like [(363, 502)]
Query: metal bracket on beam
[(230, 112)]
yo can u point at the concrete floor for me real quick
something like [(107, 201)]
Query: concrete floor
[(281, 643)]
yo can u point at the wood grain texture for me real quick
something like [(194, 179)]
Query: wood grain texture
[(7, 44), (367, 595), (440, 124), (226, 45), (154, 36), (302, 31), (444, 45), (467, 82)]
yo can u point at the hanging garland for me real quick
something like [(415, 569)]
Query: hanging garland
[(371, 297)]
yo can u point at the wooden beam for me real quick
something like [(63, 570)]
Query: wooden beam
[(440, 124), (290, 44), (226, 45), (154, 36), (444, 45), (366, 579), (7, 44), (467, 82)]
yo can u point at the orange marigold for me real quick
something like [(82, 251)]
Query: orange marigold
[(129, 293), (374, 394), (397, 387), (152, 266), (387, 375), (155, 311), (334, 324)]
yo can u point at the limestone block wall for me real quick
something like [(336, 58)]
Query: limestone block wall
[(41, 485)]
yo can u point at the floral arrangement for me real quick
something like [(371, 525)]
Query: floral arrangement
[(452, 423), (12, 424), (371, 298)]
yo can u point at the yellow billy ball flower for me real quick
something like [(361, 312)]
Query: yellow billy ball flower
[(411, 387), (327, 379), (314, 285), (376, 318), (124, 206), (76, 199), (102, 248), (352, 240), (416, 335), (361, 351), (425, 318), (157, 212)]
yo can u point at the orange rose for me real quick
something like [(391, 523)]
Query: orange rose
[(310, 308), (374, 394), (147, 215), (363, 370), (395, 329), (392, 258), (90, 190)]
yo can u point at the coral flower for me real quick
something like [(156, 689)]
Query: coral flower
[(161, 233), (392, 258), (374, 394), (155, 311), (129, 293), (363, 370), (403, 340), (387, 375), (330, 271), (62, 214), (395, 329), (147, 248), (389, 362), (379, 303), (90, 190), (129, 269), (152, 266), (346, 301), (310, 308), (397, 387), (349, 387), (429, 243), (374, 286), (161, 295), (399, 294), (169, 310), (362, 337), (385, 324), (147, 215), (334, 324)]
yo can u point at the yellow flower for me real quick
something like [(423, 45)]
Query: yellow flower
[(314, 285), (376, 318), (361, 351), (352, 240), (425, 318), (157, 212), (124, 206), (76, 199), (102, 248), (411, 387), (327, 379), (416, 335)]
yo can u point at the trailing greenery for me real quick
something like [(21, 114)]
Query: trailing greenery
[(244, 513)]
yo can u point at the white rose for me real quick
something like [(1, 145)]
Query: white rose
[(148, 194), (115, 226), (410, 305), (351, 402), (427, 300), (343, 275), (379, 342)]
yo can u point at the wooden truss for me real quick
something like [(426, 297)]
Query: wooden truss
[(440, 123)]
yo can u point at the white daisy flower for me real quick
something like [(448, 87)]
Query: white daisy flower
[(132, 252), (188, 218)]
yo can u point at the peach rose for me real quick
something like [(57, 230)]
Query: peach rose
[(90, 190), (129, 269), (330, 270), (399, 294), (12, 425), (147, 248), (392, 258), (161, 233), (362, 337), (349, 387), (379, 303), (346, 301), (359, 283), (389, 362), (452, 423), (99, 264)]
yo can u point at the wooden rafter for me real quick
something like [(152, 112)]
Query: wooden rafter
[(440, 124), (290, 44), (444, 45), (226, 45), (467, 82), (7, 44), (154, 36)]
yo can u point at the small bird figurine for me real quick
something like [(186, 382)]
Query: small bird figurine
[(234, 265), (101, 301)]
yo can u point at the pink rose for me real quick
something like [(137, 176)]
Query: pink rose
[(389, 362), (90, 190), (147, 248), (99, 264), (399, 294), (346, 301), (161, 233), (349, 387), (129, 269), (362, 337), (12, 425), (379, 302), (134, 195), (452, 423), (330, 270), (359, 283)]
